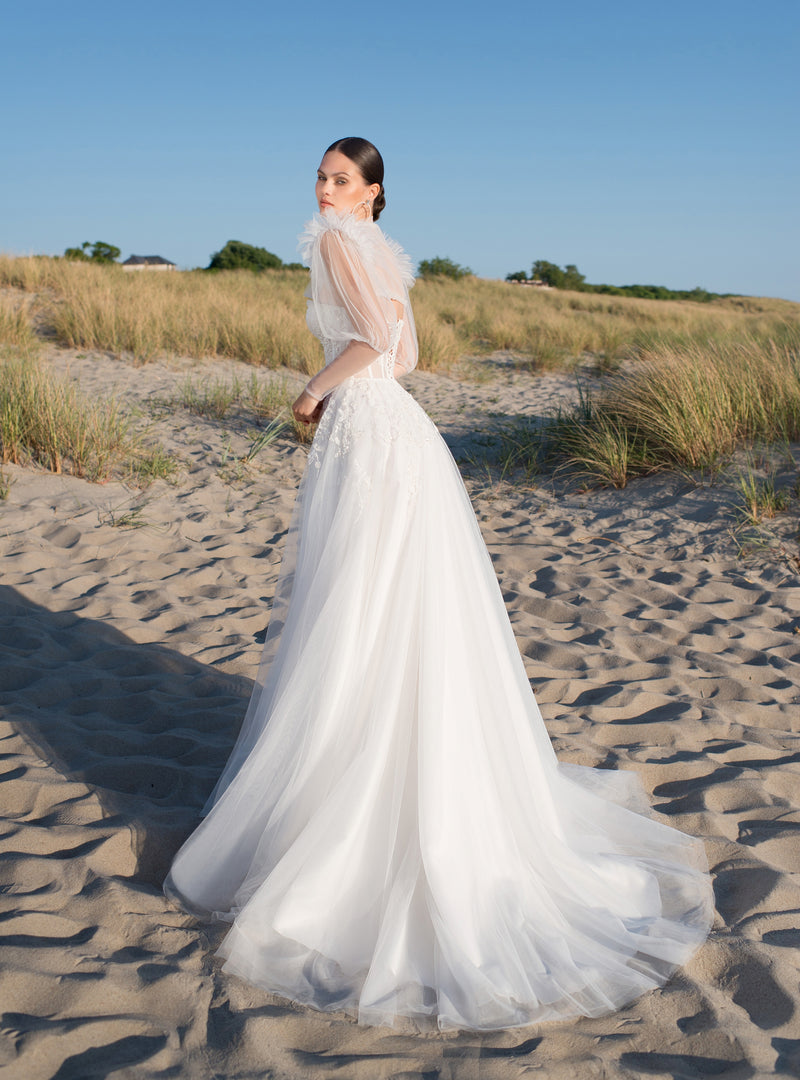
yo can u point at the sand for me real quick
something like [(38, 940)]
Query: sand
[(126, 666)]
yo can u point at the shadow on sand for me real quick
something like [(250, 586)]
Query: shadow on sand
[(146, 729)]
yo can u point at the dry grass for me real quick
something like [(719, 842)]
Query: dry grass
[(686, 408), (261, 318), (229, 314), (269, 399), (16, 327), (551, 327), (256, 318), (691, 381), (49, 421)]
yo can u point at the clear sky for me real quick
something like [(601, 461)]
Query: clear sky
[(646, 143)]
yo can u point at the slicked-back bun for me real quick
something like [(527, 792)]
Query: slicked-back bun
[(369, 163)]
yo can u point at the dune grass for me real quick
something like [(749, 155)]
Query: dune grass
[(260, 399), (16, 329), (230, 314), (47, 420), (760, 497), (683, 408), (260, 318), (552, 328), (687, 382), (216, 397)]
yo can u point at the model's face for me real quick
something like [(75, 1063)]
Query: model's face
[(340, 185)]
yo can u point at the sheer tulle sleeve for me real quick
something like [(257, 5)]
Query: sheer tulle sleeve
[(356, 273), (346, 306)]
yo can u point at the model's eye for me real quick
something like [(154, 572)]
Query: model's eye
[(341, 181)]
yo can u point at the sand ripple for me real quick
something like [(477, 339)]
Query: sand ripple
[(127, 656)]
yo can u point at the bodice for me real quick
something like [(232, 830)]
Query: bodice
[(382, 367)]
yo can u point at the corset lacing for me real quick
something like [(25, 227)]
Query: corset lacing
[(382, 367)]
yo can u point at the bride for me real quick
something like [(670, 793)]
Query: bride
[(393, 835)]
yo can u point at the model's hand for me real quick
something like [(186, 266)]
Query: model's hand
[(307, 410)]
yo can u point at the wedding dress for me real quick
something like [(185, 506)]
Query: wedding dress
[(393, 835)]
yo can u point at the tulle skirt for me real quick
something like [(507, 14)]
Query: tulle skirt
[(393, 835)]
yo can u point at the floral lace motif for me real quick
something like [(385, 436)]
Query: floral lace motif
[(377, 431)]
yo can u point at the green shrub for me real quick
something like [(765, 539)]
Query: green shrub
[(99, 251), (441, 267), (239, 256)]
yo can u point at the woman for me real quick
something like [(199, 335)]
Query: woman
[(393, 835)]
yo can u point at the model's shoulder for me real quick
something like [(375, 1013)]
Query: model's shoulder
[(371, 242), (402, 259), (347, 226)]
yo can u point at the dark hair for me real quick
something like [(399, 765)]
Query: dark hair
[(369, 162)]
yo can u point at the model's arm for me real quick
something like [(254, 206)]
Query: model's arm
[(354, 358), (347, 308)]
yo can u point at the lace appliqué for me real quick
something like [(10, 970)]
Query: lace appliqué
[(377, 431)]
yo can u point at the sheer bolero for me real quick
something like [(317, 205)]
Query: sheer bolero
[(356, 273)]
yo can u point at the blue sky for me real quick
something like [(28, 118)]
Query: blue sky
[(645, 143)]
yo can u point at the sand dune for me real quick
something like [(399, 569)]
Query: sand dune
[(127, 655)]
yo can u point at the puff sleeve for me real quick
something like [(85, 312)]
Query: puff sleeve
[(346, 304), (345, 308)]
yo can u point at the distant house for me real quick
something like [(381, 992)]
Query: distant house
[(532, 283), (147, 262)]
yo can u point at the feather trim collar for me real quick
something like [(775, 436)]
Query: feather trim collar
[(367, 235)]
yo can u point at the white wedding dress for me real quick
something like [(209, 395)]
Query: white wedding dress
[(393, 835)]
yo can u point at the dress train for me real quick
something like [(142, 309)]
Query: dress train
[(393, 835)]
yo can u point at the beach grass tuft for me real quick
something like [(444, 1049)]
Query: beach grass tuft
[(683, 408), (16, 329), (760, 497), (47, 420)]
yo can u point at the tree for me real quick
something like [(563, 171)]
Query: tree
[(77, 254), (440, 267), (568, 278), (518, 275), (573, 279), (549, 273), (104, 253), (100, 252), (239, 256)]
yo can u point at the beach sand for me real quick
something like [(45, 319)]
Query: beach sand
[(126, 667)]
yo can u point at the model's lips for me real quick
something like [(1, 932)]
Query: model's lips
[(323, 203)]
